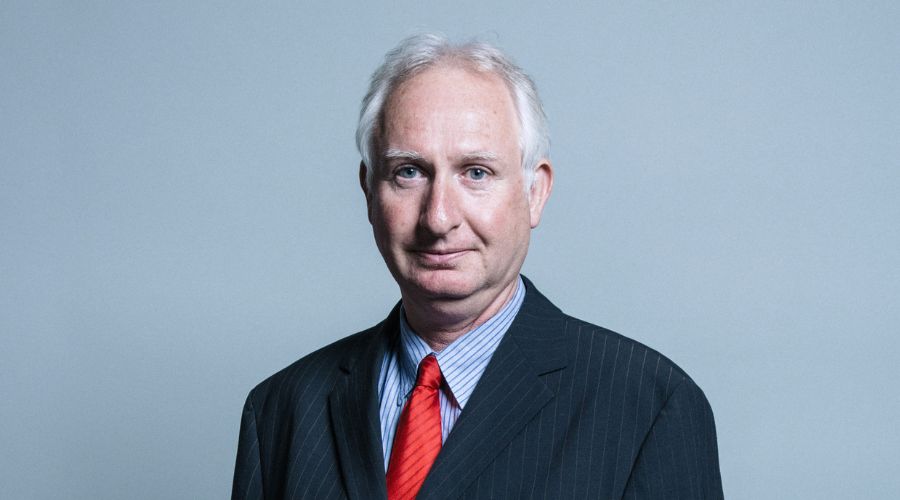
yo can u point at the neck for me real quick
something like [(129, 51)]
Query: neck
[(439, 323)]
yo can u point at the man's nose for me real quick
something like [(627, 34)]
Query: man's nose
[(440, 210)]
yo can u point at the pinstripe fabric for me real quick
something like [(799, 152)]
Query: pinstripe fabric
[(462, 363), (564, 409)]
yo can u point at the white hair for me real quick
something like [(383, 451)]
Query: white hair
[(420, 52)]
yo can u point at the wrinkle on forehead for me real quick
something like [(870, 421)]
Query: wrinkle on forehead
[(462, 112), (415, 156)]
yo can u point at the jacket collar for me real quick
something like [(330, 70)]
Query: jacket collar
[(353, 405), (510, 393)]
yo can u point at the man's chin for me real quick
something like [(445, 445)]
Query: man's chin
[(443, 286)]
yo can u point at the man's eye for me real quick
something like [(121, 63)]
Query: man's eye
[(476, 174), (408, 173)]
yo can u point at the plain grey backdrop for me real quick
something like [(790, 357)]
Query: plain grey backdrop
[(180, 218)]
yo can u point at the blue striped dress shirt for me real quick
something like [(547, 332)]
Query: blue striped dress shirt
[(462, 363)]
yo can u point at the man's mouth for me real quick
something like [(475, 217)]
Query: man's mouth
[(440, 257)]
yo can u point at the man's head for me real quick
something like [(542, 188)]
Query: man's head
[(450, 203), (420, 52)]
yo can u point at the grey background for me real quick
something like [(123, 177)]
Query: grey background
[(180, 218)]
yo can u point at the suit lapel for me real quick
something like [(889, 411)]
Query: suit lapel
[(509, 395), (355, 415)]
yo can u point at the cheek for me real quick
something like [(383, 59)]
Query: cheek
[(394, 219), (504, 222)]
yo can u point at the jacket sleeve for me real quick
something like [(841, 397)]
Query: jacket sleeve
[(679, 457), (247, 483)]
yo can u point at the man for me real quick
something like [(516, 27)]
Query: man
[(475, 385)]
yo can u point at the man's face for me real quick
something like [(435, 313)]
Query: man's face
[(448, 203)]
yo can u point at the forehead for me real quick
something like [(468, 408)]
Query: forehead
[(450, 103)]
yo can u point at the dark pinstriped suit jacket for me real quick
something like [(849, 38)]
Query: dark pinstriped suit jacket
[(565, 409)]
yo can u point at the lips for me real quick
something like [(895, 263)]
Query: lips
[(440, 258)]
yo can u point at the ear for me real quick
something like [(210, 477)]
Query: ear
[(540, 190), (365, 188)]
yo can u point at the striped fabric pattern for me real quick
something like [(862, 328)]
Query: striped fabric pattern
[(462, 363), (565, 409)]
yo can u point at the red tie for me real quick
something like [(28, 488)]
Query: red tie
[(418, 438)]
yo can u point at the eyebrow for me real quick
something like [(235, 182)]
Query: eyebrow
[(399, 154), (481, 156)]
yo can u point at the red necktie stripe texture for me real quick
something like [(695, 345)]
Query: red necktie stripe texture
[(418, 438)]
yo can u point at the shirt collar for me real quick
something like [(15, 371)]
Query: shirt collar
[(464, 360)]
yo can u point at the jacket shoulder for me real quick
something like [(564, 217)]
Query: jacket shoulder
[(625, 359), (312, 375), (597, 355)]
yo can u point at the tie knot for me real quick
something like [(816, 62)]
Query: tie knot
[(429, 373)]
